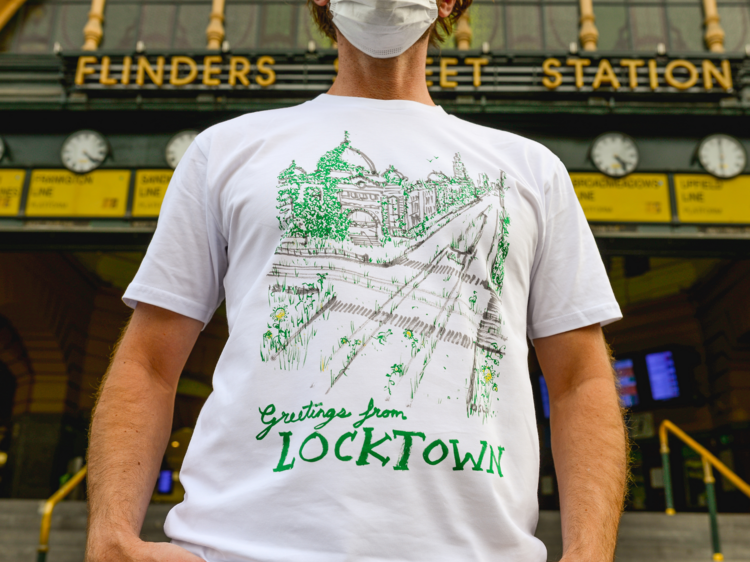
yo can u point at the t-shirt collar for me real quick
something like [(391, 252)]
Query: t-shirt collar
[(371, 103)]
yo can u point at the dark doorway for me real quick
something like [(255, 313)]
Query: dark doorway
[(7, 393)]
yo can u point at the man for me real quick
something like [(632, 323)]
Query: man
[(382, 263)]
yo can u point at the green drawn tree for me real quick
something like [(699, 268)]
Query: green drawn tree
[(290, 181), (308, 204)]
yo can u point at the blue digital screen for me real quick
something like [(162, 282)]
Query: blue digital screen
[(627, 383), (545, 396), (164, 484), (662, 375)]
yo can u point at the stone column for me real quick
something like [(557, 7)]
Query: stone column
[(714, 35), (588, 34), (92, 31), (463, 33), (215, 29)]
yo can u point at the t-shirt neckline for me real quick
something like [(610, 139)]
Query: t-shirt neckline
[(372, 103)]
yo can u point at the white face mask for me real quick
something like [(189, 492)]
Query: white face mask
[(383, 28)]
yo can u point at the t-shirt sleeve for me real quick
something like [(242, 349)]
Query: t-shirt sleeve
[(569, 285), (184, 267)]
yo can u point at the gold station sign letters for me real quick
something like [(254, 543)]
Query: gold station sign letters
[(678, 73), (182, 71), (450, 73)]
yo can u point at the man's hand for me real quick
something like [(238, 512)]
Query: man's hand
[(129, 432), (589, 443), (136, 550)]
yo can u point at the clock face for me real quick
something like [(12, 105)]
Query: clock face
[(177, 146), (614, 154), (722, 155), (84, 151)]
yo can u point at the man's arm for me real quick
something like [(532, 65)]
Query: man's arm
[(589, 443), (129, 432)]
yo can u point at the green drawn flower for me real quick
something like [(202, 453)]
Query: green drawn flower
[(473, 300), (396, 370), (344, 341), (268, 335)]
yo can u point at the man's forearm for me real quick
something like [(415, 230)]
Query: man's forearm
[(129, 434), (130, 430), (589, 445)]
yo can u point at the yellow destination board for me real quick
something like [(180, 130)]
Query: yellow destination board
[(11, 185), (150, 187), (704, 198), (60, 193), (635, 198)]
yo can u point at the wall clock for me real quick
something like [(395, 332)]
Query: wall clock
[(722, 156), (84, 151), (2, 148), (177, 146), (614, 154)]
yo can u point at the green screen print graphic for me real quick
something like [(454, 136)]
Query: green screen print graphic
[(379, 273)]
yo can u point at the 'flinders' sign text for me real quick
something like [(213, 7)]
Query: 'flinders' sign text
[(485, 74)]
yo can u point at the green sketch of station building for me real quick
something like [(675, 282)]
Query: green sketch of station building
[(376, 272), (365, 206)]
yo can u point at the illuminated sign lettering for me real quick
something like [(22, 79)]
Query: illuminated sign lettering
[(182, 71), (680, 74), (487, 73)]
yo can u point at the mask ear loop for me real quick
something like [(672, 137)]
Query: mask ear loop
[(334, 30)]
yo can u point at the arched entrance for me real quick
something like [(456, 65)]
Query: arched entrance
[(364, 228)]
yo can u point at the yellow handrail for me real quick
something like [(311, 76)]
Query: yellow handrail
[(667, 425), (49, 506), (8, 9)]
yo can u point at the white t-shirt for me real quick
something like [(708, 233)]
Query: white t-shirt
[(382, 263)]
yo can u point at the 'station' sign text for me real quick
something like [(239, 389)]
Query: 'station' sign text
[(450, 73)]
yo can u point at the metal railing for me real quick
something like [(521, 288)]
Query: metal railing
[(709, 460), (49, 506)]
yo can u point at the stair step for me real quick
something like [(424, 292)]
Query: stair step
[(644, 537)]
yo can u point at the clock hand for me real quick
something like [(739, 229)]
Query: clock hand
[(94, 160), (621, 161)]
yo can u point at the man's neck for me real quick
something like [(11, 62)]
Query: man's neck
[(397, 78)]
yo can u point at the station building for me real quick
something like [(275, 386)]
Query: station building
[(644, 101)]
